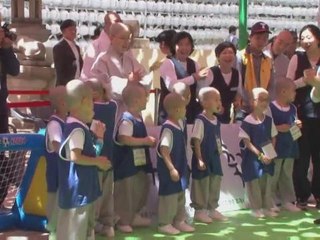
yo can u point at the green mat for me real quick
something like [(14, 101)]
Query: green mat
[(241, 226)]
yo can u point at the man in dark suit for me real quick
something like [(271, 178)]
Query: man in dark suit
[(66, 54)]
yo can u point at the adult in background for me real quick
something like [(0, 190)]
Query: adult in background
[(225, 78), (9, 64), (179, 67), (66, 54), (101, 44), (291, 49), (117, 66), (302, 70), (275, 50), (233, 36), (255, 67)]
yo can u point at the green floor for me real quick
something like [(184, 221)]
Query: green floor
[(242, 226)]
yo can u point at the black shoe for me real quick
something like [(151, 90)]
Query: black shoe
[(317, 221)]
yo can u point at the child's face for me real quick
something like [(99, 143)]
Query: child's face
[(289, 93), (261, 103), (142, 100), (212, 103), (180, 112), (227, 56), (183, 49), (87, 108), (121, 42)]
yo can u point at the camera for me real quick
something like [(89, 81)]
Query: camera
[(7, 33)]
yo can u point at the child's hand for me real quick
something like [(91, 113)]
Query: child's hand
[(98, 128), (299, 123), (150, 141), (103, 163), (265, 160), (201, 165), (174, 175)]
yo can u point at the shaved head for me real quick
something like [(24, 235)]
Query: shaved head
[(282, 41), (109, 19), (118, 28), (56, 95)]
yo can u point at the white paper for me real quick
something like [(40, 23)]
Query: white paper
[(139, 156), (269, 151), (295, 132)]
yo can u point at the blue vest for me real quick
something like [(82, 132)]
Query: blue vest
[(123, 165), (179, 160), (209, 150), (259, 134), (106, 113), (227, 92), (52, 159), (305, 106), (285, 146), (78, 184), (193, 108)]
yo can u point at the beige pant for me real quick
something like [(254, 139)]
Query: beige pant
[(130, 196), (259, 192), (75, 223), (172, 208), (205, 192), (52, 211), (104, 206), (282, 183)]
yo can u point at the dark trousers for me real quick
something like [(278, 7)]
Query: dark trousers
[(309, 146)]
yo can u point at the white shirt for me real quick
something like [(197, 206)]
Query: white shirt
[(74, 49), (168, 74), (167, 136), (252, 120), (54, 134), (227, 79), (126, 127), (97, 46), (76, 138), (198, 128)]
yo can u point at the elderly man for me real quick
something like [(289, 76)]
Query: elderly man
[(117, 66), (101, 44), (275, 50)]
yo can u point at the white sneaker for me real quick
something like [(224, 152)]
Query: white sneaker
[(108, 231), (291, 207), (183, 227), (168, 229), (140, 221), (270, 213), (202, 216), (257, 213), (125, 228), (216, 215)]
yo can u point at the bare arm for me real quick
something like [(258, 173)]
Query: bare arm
[(165, 153), (100, 162), (135, 142), (197, 152)]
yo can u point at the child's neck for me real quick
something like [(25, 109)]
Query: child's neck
[(60, 114), (225, 68), (136, 113), (209, 114), (174, 120), (76, 115), (282, 102), (258, 114)]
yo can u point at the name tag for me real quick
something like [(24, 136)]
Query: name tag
[(219, 145), (139, 156), (234, 89), (295, 132), (268, 150)]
